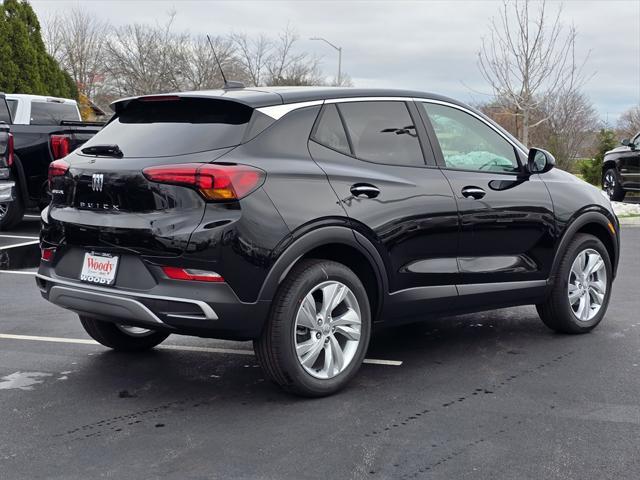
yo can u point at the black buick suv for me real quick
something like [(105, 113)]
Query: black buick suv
[(300, 218)]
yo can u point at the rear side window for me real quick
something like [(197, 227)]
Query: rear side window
[(382, 132), (330, 131), (13, 107), (52, 113), (4, 112), (175, 127)]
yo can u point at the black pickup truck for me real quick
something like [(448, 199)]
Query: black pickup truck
[(25, 154)]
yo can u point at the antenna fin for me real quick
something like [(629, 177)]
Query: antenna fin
[(227, 84)]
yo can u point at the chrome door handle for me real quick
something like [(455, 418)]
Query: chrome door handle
[(364, 190), (473, 192)]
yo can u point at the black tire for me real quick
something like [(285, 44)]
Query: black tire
[(110, 335), (275, 348), (612, 185), (556, 312), (12, 212)]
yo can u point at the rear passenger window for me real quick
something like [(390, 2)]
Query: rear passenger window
[(382, 132), (52, 113), (330, 131)]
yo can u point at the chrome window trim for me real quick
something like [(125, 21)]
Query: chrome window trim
[(278, 111), (206, 309)]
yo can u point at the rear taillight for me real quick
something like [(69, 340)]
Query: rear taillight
[(214, 182), (176, 273), (47, 254), (60, 146), (57, 169), (10, 150)]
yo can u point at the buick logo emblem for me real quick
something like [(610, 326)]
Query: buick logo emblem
[(97, 181)]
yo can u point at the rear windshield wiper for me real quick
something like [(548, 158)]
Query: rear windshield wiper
[(104, 150)]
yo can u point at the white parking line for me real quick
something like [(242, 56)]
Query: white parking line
[(184, 348), (31, 237), (33, 242), (19, 272)]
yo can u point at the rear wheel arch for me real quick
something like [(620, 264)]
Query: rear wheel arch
[(338, 244)]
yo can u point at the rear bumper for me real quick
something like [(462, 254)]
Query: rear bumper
[(180, 307), (7, 191)]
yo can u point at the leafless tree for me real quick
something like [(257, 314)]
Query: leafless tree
[(629, 122), (267, 61), (77, 41), (529, 60), (253, 54), (286, 66), (570, 123), (141, 59)]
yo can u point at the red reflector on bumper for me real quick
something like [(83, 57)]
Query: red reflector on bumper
[(46, 254), (177, 273)]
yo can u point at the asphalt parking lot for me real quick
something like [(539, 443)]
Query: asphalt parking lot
[(483, 396)]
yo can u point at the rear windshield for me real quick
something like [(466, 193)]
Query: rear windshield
[(52, 113), (175, 127)]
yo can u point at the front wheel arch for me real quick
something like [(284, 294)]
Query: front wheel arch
[(593, 223)]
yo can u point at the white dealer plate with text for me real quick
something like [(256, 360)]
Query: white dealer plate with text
[(99, 268)]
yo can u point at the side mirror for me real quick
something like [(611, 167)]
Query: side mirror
[(625, 142), (540, 161)]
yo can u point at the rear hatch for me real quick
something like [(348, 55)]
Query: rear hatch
[(104, 200)]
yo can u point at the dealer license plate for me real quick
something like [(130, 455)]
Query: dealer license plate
[(99, 268)]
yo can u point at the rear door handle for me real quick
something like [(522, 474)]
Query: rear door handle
[(473, 192), (362, 190)]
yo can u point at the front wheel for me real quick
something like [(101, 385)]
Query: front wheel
[(318, 331), (122, 337), (581, 289), (612, 186)]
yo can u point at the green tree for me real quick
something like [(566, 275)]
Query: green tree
[(26, 65), (591, 169)]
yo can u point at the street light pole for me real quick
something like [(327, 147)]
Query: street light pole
[(339, 49)]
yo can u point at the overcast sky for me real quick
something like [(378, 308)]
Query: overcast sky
[(422, 45)]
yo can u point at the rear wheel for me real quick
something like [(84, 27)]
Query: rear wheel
[(581, 289), (318, 331), (121, 336), (612, 186)]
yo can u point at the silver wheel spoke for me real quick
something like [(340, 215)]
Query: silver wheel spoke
[(305, 347), (328, 361), (598, 286), (313, 354), (574, 294), (595, 264), (307, 317), (333, 295), (350, 317), (336, 353), (349, 332), (596, 296)]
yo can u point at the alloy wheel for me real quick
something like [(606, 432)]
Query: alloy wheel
[(609, 184), (327, 330), (4, 208), (587, 284)]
